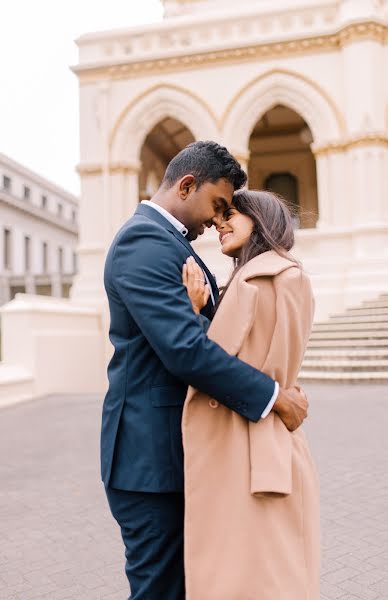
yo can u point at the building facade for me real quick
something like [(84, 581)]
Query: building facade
[(298, 92), (38, 234)]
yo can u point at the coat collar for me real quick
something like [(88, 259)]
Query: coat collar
[(234, 318)]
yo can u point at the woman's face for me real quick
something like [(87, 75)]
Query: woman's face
[(235, 230)]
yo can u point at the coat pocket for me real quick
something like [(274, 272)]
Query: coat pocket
[(168, 396)]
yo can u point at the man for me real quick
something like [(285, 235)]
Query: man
[(160, 349)]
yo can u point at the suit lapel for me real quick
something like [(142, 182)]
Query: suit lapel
[(154, 215)]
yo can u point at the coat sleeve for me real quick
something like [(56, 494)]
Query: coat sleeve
[(147, 277)]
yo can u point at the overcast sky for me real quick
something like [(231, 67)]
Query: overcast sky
[(39, 93)]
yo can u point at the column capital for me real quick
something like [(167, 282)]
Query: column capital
[(345, 144), (96, 169)]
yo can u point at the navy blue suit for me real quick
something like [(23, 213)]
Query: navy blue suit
[(159, 349)]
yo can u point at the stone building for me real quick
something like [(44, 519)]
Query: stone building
[(298, 91), (38, 234)]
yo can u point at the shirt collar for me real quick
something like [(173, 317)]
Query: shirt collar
[(177, 224)]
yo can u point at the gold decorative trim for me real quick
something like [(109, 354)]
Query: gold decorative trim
[(85, 170), (296, 75), (150, 90), (363, 31), (124, 168), (326, 42), (356, 142)]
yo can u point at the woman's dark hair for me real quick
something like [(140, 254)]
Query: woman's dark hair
[(273, 227), (207, 161)]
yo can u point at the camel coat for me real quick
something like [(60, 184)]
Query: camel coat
[(251, 489)]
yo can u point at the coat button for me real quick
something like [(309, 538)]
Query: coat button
[(213, 404)]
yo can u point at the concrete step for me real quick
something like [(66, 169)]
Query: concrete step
[(347, 377), (345, 365), (350, 335), (363, 326), (355, 319), (375, 304), (351, 312), (16, 385), (358, 344), (348, 353)]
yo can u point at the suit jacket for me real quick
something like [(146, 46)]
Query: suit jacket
[(251, 489), (159, 349)]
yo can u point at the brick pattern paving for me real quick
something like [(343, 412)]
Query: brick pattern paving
[(59, 542)]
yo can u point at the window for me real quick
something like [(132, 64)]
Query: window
[(286, 185), (60, 260), (44, 202), (60, 210), (27, 252), (73, 216), (7, 249), (44, 257), (26, 192), (7, 183), (75, 265)]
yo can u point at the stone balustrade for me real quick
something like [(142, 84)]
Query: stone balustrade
[(178, 36)]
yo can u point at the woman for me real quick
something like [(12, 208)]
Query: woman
[(251, 490)]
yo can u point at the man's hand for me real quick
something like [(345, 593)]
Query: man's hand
[(291, 406)]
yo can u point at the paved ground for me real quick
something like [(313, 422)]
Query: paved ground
[(59, 542)]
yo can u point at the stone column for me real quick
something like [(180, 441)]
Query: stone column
[(5, 290), (56, 285), (88, 283), (123, 197), (332, 186), (364, 90), (30, 284)]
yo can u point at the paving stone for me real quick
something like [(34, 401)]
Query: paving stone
[(59, 541)]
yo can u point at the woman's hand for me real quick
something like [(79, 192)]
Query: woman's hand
[(195, 283)]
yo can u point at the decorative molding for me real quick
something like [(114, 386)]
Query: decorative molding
[(280, 87), (373, 139), (89, 170), (96, 170), (144, 112), (296, 75), (167, 87), (357, 32), (198, 58)]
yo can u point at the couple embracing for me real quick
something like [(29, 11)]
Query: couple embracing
[(205, 466)]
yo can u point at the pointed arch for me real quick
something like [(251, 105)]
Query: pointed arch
[(149, 108), (290, 89)]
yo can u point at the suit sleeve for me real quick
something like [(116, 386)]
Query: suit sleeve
[(147, 274)]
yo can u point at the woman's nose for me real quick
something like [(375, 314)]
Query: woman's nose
[(218, 222)]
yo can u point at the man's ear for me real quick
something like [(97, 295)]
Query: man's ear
[(186, 186)]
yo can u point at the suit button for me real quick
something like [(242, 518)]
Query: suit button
[(213, 404)]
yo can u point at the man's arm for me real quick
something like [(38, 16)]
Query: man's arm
[(147, 269)]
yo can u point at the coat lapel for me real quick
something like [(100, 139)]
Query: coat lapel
[(234, 318)]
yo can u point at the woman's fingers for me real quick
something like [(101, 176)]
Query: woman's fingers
[(206, 295)]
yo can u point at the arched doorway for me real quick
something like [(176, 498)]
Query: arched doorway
[(163, 142), (281, 161)]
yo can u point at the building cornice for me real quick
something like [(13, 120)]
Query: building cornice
[(35, 212), (197, 57), (372, 139), (30, 176)]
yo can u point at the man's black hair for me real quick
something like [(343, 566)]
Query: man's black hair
[(207, 161)]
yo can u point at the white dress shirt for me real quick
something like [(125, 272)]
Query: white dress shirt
[(184, 231)]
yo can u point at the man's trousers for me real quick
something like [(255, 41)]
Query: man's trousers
[(152, 531)]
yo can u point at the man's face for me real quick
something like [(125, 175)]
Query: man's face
[(203, 207)]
